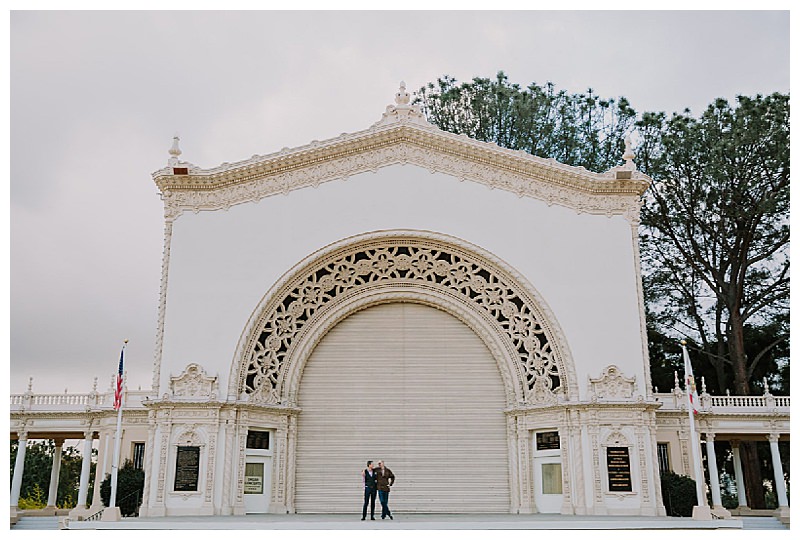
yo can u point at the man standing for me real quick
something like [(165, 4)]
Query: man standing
[(385, 480), (370, 487)]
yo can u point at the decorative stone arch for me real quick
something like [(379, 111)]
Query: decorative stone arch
[(428, 268)]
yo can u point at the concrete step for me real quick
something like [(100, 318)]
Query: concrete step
[(762, 523), (36, 523)]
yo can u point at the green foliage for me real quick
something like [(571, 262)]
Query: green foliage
[(130, 489), (729, 500), (679, 493), (35, 500), (36, 475), (583, 129), (715, 242)]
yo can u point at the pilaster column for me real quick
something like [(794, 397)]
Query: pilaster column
[(19, 467), (713, 473), (780, 485), (52, 496), (737, 470), (83, 489)]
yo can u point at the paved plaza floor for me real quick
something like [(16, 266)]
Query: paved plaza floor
[(496, 522)]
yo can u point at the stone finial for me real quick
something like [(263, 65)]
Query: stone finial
[(677, 382), (30, 385), (703, 385), (402, 97), (628, 155), (94, 386), (175, 150), (403, 111), (766, 387)]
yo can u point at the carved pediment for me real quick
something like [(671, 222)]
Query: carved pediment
[(612, 385), (193, 383), (403, 135)]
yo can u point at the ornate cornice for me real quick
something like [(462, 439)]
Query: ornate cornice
[(401, 137)]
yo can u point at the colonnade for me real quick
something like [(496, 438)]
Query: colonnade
[(713, 473), (55, 470)]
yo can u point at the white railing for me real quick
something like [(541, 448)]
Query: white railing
[(750, 401), (676, 400), (75, 402)]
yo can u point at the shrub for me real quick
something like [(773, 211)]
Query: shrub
[(34, 501), (679, 494), (130, 488)]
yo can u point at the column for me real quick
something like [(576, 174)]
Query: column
[(780, 485), (19, 467), (100, 473), (737, 470), (713, 473), (51, 498), (83, 489)]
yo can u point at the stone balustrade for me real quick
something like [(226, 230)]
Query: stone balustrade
[(67, 402), (676, 400)]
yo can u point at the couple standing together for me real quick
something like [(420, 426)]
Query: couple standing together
[(377, 480)]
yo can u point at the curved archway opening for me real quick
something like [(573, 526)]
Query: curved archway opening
[(411, 385)]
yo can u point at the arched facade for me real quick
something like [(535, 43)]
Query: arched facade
[(538, 267)]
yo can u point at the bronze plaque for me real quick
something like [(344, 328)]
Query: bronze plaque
[(547, 440), (187, 468), (619, 469)]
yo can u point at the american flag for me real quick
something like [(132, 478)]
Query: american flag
[(118, 389)]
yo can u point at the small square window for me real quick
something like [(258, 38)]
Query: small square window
[(258, 440)]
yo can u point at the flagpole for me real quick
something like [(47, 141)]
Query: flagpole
[(115, 461), (695, 442)]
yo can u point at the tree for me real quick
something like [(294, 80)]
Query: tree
[(715, 248), (583, 130), (716, 231), (39, 463)]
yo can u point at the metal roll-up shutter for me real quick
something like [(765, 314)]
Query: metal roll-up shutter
[(411, 385)]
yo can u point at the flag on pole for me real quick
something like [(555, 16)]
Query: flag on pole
[(118, 389), (691, 386)]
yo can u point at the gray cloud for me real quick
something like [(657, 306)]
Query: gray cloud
[(97, 96)]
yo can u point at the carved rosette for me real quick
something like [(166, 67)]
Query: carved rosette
[(411, 262)]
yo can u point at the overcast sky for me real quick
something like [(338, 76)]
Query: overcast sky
[(97, 96)]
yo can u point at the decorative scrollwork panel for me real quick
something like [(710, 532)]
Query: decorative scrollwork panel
[(403, 261)]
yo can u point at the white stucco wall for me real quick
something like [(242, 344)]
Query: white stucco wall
[(223, 262)]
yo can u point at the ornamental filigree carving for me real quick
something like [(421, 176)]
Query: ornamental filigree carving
[(612, 385), (411, 262), (616, 438), (190, 437), (193, 383)]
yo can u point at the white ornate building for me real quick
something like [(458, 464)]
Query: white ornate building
[(472, 315)]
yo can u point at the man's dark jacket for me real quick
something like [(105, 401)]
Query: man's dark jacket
[(385, 478)]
